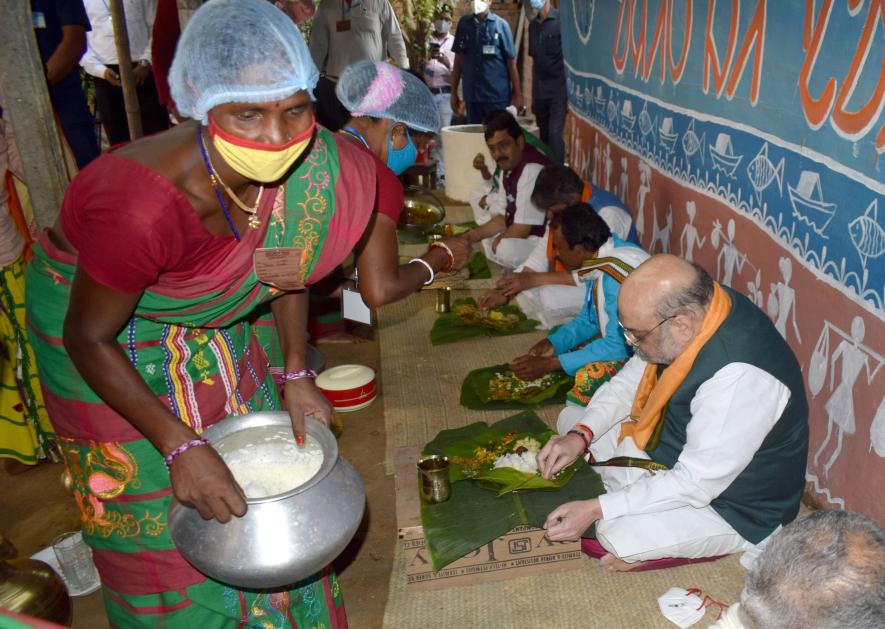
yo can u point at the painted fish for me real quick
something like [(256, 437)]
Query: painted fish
[(645, 120), (690, 141), (867, 235), (762, 172)]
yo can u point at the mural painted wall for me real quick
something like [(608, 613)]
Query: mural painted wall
[(748, 135)]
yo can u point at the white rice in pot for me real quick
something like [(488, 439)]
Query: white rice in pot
[(274, 466)]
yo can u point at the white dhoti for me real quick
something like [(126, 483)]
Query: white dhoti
[(510, 252), (682, 532), (553, 304)]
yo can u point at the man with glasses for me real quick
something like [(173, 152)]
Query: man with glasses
[(509, 224), (711, 412)]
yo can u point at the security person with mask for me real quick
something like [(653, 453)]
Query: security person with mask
[(548, 75), (486, 57)]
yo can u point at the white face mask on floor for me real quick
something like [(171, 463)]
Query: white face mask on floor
[(681, 608)]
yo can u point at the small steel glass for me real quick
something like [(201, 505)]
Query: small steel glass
[(75, 559), (444, 299), (433, 479)]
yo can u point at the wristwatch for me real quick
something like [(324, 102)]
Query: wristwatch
[(144, 63)]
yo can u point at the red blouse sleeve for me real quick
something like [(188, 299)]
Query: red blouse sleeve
[(121, 218), (389, 199), (389, 193)]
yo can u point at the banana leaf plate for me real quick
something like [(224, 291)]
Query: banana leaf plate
[(467, 321), (473, 515), (478, 266), (487, 388)]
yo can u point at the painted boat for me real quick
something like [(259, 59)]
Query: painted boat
[(628, 118), (808, 202), (600, 101), (668, 138), (723, 155)]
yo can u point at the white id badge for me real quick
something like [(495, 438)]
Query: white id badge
[(489, 49), (354, 308)]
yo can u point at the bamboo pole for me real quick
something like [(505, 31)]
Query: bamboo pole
[(124, 59), (29, 110)]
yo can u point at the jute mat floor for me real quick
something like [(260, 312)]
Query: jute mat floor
[(588, 598)]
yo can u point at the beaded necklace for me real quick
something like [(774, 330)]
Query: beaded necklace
[(209, 169)]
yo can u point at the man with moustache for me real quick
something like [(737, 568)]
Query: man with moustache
[(711, 407), (510, 225)]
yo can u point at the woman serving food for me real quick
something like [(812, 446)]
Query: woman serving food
[(175, 275)]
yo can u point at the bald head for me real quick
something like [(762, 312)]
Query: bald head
[(666, 285), (661, 306)]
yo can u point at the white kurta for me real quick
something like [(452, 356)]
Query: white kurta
[(511, 252), (668, 514)]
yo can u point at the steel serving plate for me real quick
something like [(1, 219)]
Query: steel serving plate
[(419, 215), (283, 538)]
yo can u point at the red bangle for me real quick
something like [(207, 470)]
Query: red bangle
[(444, 247)]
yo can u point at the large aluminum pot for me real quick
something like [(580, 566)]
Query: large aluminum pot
[(283, 538)]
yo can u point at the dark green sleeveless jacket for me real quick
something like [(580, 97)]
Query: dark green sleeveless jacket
[(767, 492)]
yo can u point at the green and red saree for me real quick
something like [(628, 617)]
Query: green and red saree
[(205, 344)]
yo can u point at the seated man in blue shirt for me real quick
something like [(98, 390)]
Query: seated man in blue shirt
[(486, 56), (591, 347)]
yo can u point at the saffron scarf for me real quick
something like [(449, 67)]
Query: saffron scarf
[(655, 391)]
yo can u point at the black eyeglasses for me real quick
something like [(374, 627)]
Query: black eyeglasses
[(634, 338)]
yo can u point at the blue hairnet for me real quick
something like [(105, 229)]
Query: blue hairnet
[(238, 51), (380, 90)]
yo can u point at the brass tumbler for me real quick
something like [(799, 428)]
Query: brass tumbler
[(433, 479), (444, 299)]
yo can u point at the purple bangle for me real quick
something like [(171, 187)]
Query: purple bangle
[(297, 375), (184, 447)]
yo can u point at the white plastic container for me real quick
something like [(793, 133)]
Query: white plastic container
[(461, 143)]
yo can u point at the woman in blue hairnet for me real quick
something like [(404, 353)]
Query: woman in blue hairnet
[(393, 116), (155, 310)]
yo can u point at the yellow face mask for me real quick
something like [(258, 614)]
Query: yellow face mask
[(259, 162)]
